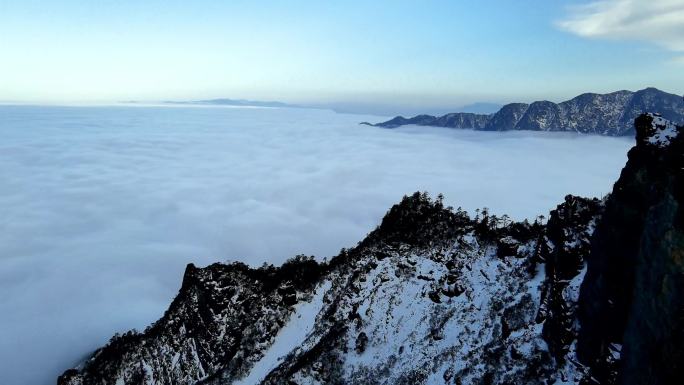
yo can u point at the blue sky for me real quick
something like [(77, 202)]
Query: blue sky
[(418, 53)]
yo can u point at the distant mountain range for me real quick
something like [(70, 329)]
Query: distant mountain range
[(605, 114), (235, 102), (339, 107)]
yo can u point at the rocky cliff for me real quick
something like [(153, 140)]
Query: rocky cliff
[(632, 300), (604, 114)]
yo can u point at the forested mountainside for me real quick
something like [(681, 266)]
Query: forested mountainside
[(595, 294), (610, 114)]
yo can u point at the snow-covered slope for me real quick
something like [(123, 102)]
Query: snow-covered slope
[(430, 296), (465, 308)]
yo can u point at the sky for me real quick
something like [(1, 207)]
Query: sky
[(385, 53)]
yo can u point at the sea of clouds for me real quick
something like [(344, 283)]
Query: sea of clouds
[(101, 208)]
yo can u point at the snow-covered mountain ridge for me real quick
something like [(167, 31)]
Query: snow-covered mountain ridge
[(429, 282), (604, 114), (435, 296)]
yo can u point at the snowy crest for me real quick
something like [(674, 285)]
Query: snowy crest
[(663, 131)]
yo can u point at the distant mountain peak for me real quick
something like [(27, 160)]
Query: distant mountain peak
[(480, 108), (234, 102)]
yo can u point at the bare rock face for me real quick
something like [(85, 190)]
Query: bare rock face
[(632, 300), (435, 296)]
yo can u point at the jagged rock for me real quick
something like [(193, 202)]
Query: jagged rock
[(222, 318), (361, 342), (507, 246)]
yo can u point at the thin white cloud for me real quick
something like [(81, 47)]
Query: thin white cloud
[(660, 22)]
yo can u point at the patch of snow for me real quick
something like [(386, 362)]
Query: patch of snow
[(664, 131), (615, 351), (149, 373), (174, 360), (290, 337)]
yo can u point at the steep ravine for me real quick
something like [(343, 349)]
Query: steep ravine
[(435, 296)]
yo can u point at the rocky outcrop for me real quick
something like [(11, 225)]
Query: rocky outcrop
[(221, 319), (632, 300), (610, 114)]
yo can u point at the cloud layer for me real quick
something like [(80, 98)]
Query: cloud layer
[(102, 207), (660, 22)]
